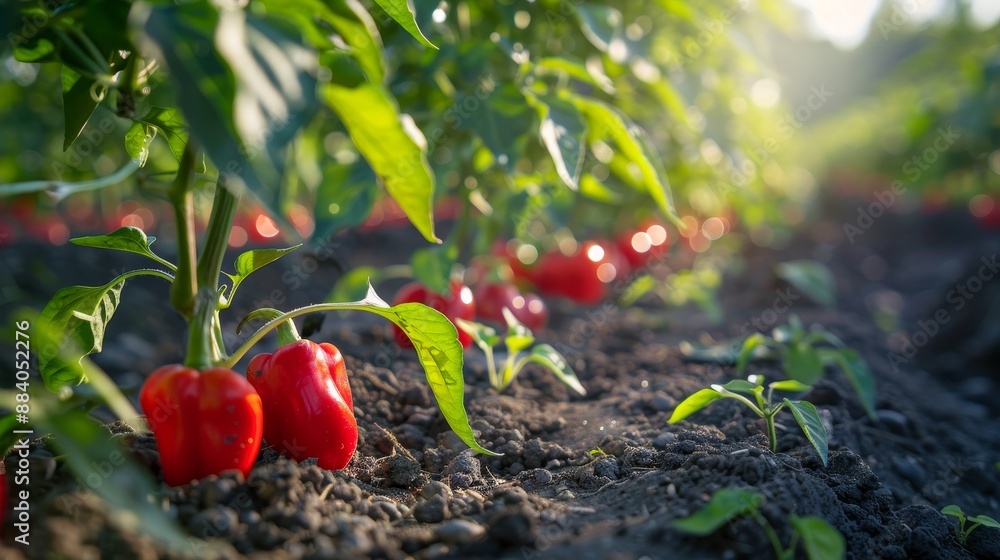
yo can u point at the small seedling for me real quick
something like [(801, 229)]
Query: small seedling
[(963, 531), (804, 412), (805, 354), (518, 340), (820, 540)]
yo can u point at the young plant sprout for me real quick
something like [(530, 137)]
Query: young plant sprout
[(805, 354), (820, 540), (962, 531), (518, 340), (763, 406)]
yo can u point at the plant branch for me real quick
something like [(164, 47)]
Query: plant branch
[(185, 285), (220, 223)]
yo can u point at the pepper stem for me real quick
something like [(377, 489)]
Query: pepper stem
[(201, 350), (287, 333)]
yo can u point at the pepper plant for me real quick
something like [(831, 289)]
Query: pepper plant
[(763, 406), (819, 539), (518, 340), (805, 355), (964, 531)]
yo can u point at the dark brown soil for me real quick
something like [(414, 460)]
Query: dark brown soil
[(412, 491)]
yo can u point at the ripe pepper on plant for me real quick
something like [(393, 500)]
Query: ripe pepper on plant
[(304, 385)]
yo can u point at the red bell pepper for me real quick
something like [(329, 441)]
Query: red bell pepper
[(205, 422), (308, 408)]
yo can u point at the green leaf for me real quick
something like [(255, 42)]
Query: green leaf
[(812, 278), (137, 141), (483, 335), (519, 337), (170, 124), (61, 189), (790, 386), (563, 133), (547, 356), (803, 363), (435, 340), (820, 539), (348, 18), (128, 239), (502, 123), (603, 26), (747, 350), (253, 260), (955, 511), (80, 314), (249, 85), (8, 423), (808, 419), (638, 288), (604, 121), (693, 404), (985, 521), (400, 11), (354, 285), (375, 126), (344, 199), (78, 104), (742, 386), (859, 375), (724, 506), (432, 266)]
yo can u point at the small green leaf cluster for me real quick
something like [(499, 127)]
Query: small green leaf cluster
[(763, 405), (819, 539), (805, 354), (964, 531), (518, 339)]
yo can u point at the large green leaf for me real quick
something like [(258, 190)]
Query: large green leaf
[(603, 26), (820, 539), (564, 134), (400, 11), (80, 314), (249, 85), (547, 356), (803, 363), (604, 121), (812, 278), (502, 121), (858, 374), (724, 506), (375, 125), (78, 104), (348, 18), (159, 120), (693, 404), (128, 239), (811, 424)]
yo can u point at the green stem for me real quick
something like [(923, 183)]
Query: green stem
[(220, 224), (201, 351), (772, 435), (145, 272), (491, 366), (363, 305), (287, 333), (779, 551), (186, 285)]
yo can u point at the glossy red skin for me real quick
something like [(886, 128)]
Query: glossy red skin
[(451, 306), (205, 422), (575, 276), (308, 408), (492, 297)]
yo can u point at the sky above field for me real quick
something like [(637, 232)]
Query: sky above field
[(846, 22)]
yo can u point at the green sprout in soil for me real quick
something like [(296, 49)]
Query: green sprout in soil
[(519, 339), (805, 354), (819, 539), (763, 406), (962, 531)]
